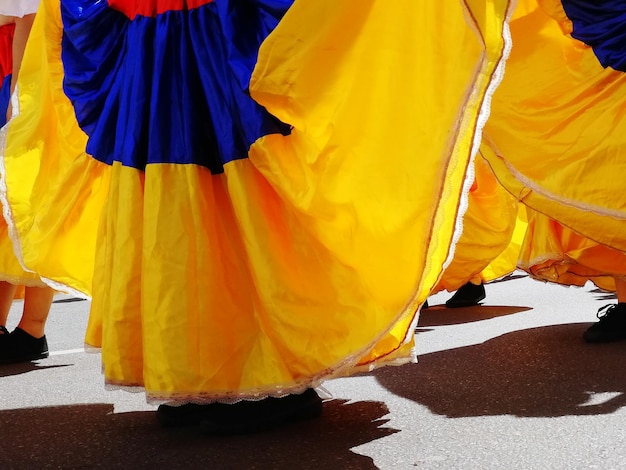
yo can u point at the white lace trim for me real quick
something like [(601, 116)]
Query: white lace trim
[(60, 287), (230, 397), (322, 391), (483, 117)]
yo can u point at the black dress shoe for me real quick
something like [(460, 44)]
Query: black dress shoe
[(467, 296)]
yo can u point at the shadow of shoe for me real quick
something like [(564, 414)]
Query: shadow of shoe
[(439, 315), (7, 370)]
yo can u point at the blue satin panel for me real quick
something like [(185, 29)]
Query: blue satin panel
[(169, 89), (5, 96), (601, 25)]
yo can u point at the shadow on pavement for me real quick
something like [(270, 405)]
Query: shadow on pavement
[(600, 294), (7, 370), (509, 277), (68, 300), (92, 436), (539, 372), (439, 315)]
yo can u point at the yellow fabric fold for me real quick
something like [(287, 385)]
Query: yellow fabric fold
[(557, 127), (556, 142), (54, 189), (555, 253), (486, 249)]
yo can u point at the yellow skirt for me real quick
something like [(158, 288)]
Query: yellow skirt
[(54, 191), (309, 259), (556, 142), (11, 270), (487, 248)]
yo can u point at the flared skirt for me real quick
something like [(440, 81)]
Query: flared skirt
[(221, 274)]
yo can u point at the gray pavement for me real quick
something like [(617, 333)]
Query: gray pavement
[(506, 385)]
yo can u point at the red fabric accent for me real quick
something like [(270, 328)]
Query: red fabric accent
[(6, 51), (152, 8)]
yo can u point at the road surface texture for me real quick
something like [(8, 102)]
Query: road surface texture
[(506, 385)]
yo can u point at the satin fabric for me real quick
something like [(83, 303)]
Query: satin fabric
[(134, 8), (556, 131), (555, 253), (599, 26), (309, 258), (11, 270), (139, 94), (6, 68), (487, 248), (54, 191), (363, 138)]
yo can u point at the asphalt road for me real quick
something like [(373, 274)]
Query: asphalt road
[(506, 385)]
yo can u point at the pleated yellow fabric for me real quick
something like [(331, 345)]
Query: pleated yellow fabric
[(10, 268), (432, 66), (557, 132), (54, 190), (555, 253), (309, 259), (315, 252), (486, 249)]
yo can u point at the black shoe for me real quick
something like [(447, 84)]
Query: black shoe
[(255, 416), (466, 296), (19, 346), (611, 327), (5, 338)]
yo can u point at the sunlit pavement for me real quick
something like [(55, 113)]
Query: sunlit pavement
[(509, 384)]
